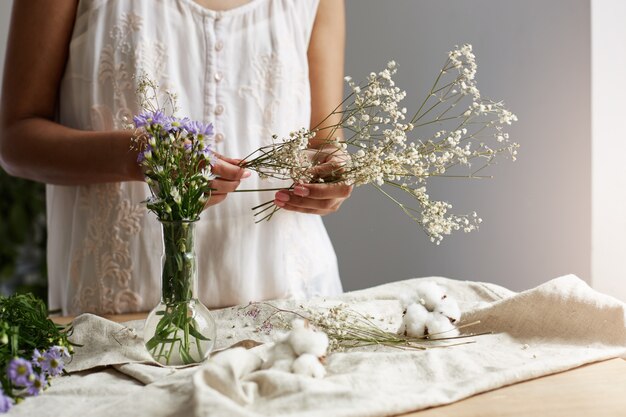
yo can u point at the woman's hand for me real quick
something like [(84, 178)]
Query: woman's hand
[(322, 198), (229, 175)]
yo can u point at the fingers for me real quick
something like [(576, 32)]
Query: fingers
[(227, 169), (220, 186), (323, 191), (313, 198)]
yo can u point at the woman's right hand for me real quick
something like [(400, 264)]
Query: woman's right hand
[(229, 175)]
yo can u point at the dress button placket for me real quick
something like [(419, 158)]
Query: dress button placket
[(217, 77)]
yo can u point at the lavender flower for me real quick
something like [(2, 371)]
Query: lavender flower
[(53, 364), (37, 384), (198, 128), (5, 402), (38, 358), (19, 371), (151, 119)]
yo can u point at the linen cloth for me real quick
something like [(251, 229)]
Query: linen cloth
[(554, 327), (246, 71)]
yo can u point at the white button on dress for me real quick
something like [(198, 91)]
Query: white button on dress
[(104, 252)]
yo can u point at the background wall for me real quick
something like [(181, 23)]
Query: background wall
[(609, 147), (532, 54)]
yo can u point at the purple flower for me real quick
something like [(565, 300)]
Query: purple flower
[(152, 118), (38, 358), (208, 154), (5, 402), (61, 351), (37, 384), (19, 371), (198, 128), (145, 154), (53, 365)]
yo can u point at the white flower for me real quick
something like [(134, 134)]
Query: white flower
[(175, 195), (306, 340)]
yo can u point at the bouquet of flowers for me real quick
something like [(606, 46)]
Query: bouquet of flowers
[(176, 156), (32, 348), (455, 132)]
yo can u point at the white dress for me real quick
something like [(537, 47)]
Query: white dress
[(243, 69)]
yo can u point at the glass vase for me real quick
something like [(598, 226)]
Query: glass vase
[(180, 330)]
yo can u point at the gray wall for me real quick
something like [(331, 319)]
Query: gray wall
[(533, 54)]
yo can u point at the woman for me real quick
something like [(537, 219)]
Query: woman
[(259, 68)]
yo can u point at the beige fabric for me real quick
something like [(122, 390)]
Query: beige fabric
[(554, 327)]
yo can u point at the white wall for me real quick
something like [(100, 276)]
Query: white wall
[(608, 19)]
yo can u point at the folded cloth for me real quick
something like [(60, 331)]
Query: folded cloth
[(554, 327)]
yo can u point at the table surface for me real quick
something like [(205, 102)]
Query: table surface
[(597, 389)]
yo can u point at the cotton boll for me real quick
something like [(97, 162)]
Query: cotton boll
[(242, 361), (406, 300), (304, 340), (308, 365), (439, 326), (414, 321), (449, 308), (281, 351), (431, 294)]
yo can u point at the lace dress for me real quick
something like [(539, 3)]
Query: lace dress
[(243, 69)]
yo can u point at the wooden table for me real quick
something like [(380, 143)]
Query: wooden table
[(592, 390)]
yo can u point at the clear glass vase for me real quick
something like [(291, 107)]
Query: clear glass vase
[(180, 330)]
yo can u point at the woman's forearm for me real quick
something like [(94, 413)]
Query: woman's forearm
[(45, 151)]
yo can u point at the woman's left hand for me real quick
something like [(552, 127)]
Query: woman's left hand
[(318, 198)]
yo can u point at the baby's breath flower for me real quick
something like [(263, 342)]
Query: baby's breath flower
[(384, 147)]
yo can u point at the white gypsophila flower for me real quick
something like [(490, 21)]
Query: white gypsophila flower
[(308, 365), (383, 153), (439, 327)]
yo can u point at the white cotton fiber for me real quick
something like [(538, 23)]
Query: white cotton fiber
[(439, 326), (414, 321), (449, 308), (308, 365), (430, 293), (303, 340)]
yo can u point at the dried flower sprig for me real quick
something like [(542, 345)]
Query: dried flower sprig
[(453, 127), (345, 327)]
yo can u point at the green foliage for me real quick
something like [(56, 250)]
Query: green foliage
[(22, 235), (24, 327)]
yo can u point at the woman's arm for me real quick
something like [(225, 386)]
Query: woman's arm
[(326, 58), (32, 145)]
